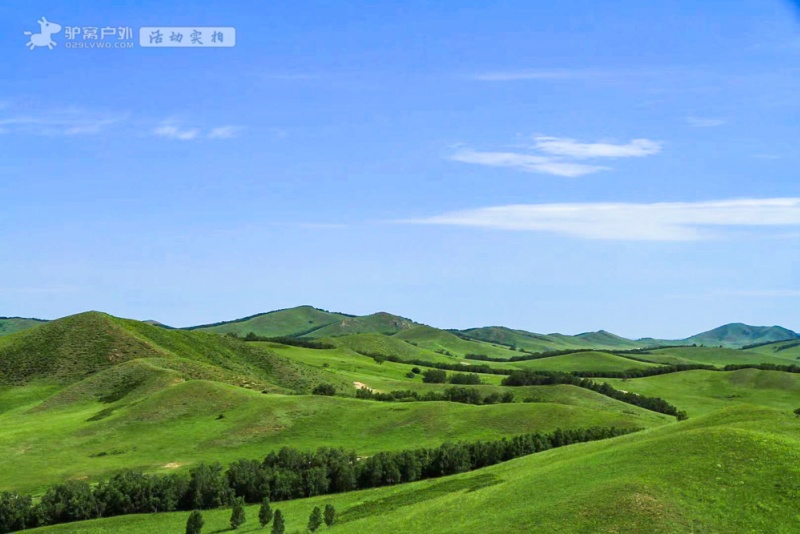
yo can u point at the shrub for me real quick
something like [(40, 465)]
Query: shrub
[(330, 515), (325, 389), (434, 376), (237, 514), (194, 525), (416, 370), (410, 375), (315, 519), (265, 513)]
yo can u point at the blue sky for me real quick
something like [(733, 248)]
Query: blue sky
[(553, 166)]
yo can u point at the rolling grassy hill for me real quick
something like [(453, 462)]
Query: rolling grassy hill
[(168, 420), (433, 339), (789, 350), (549, 342), (377, 323), (84, 396), (583, 361), (733, 471), (70, 349), (699, 392), (12, 325), (719, 357), (737, 334), (289, 322)]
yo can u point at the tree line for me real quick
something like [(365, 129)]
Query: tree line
[(451, 394), (531, 378), (286, 474)]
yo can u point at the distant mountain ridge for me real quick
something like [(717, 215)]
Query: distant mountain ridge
[(310, 322)]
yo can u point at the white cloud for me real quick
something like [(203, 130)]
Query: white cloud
[(171, 131), (526, 162), (223, 132), (704, 122), (562, 146), (675, 221), (72, 121), (558, 155)]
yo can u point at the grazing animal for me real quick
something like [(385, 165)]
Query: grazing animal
[(43, 37)]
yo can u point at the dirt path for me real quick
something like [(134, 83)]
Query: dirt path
[(360, 385)]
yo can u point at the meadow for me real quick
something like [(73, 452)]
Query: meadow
[(84, 397)]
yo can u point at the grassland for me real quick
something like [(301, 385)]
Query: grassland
[(700, 392), (734, 471), (716, 356), (433, 339), (12, 325), (582, 361), (85, 396)]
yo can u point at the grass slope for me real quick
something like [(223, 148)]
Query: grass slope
[(734, 471), (170, 421), (738, 334), (12, 325), (289, 322), (719, 357), (542, 343), (377, 323), (70, 349), (433, 339), (583, 361), (699, 392)]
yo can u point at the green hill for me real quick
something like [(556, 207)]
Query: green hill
[(583, 361), (443, 341), (377, 323), (719, 357), (12, 325), (781, 349), (737, 335), (549, 342), (733, 471), (699, 392), (70, 349), (289, 322)]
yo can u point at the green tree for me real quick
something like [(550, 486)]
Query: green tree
[(315, 519), (330, 515), (434, 376), (278, 526), (237, 514), (195, 523), (265, 513)]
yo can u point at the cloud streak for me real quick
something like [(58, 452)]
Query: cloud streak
[(527, 163), (669, 221), (559, 156), (66, 122), (561, 146), (170, 129), (705, 122)]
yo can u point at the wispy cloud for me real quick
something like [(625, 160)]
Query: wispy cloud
[(70, 121), (559, 156), (526, 162), (561, 146), (171, 129), (223, 132), (676, 221), (705, 122)]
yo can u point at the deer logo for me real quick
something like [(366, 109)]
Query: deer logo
[(43, 37)]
